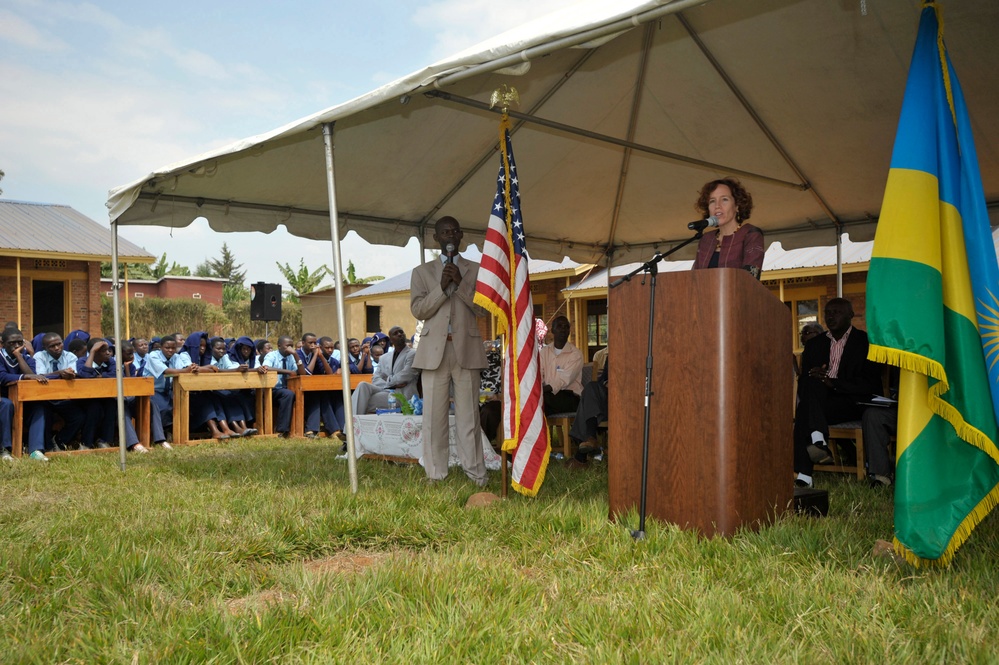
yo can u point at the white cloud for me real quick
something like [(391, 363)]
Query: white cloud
[(117, 95), (21, 33)]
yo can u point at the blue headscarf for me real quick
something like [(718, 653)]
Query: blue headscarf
[(193, 348), (76, 334), (377, 339), (240, 360), (36, 343)]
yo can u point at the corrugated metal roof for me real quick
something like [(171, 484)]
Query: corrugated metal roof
[(776, 258), (540, 266), (393, 284), (43, 228)]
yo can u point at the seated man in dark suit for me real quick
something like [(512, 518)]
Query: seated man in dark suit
[(835, 376), (591, 412)]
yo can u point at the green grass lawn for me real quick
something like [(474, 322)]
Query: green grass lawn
[(254, 552)]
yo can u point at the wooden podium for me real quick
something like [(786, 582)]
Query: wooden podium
[(720, 447)]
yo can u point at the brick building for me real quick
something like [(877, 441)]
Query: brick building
[(208, 289), (50, 267)]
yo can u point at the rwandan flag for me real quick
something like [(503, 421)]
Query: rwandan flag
[(933, 311)]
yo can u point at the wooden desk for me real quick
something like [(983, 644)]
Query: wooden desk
[(59, 389), (185, 384), (303, 384)]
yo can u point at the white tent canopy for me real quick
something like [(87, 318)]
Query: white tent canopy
[(631, 106)]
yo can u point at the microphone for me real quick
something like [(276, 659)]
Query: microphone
[(449, 251), (702, 224)]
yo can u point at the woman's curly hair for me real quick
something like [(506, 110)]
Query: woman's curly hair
[(743, 199)]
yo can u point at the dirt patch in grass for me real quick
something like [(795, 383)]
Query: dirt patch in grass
[(260, 601), (343, 563), (32, 500), (346, 562)]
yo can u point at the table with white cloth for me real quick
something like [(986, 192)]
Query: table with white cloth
[(401, 436)]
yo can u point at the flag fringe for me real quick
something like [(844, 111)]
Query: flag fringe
[(965, 431), (911, 362), (960, 535), (487, 304), (533, 491)]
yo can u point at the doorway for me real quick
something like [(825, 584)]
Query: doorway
[(48, 307)]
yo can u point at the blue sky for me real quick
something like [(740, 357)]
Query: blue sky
[(96, 95)]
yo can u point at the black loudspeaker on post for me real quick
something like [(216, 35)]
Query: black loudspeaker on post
[(265, 302)]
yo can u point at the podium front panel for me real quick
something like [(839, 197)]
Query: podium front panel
[(720, 446)]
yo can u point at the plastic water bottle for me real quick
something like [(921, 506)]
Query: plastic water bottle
[(393, 402)]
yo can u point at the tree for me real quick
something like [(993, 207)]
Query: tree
[(1, 178), (227, 267), (135, 270), (303, 281), (161, 269), (234, 293), (352, 278), (203, 269)]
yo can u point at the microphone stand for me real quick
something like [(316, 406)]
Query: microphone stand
[(652, 268)]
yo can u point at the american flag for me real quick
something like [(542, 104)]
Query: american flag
[(504, 288)]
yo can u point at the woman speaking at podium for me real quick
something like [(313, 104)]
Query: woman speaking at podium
[(735, 244)]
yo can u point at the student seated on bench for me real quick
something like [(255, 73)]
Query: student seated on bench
[(100, 364), (285, 362), (162, 365), (78, 416), (128, 370), (18, 366), (207, 410), (233, 404)]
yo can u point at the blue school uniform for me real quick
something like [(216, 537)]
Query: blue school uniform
[(107, 420), (156, 431), (49, 366), (155, 364), (207, 405), (233, 360), (283, 398), (232, 405), (78, 416), (317, 404), (34, 413)]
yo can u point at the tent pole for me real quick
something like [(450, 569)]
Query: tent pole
[(839, 261), (19, 326), (348, 410), (127, 316), (119, 385)]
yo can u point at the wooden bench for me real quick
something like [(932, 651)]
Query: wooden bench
[(301, 384), (185, 384), (61, 389)]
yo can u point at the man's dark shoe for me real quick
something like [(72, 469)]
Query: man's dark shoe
[(819, 454), (877, 480)]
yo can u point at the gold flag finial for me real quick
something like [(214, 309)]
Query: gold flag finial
[(504, 96)]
